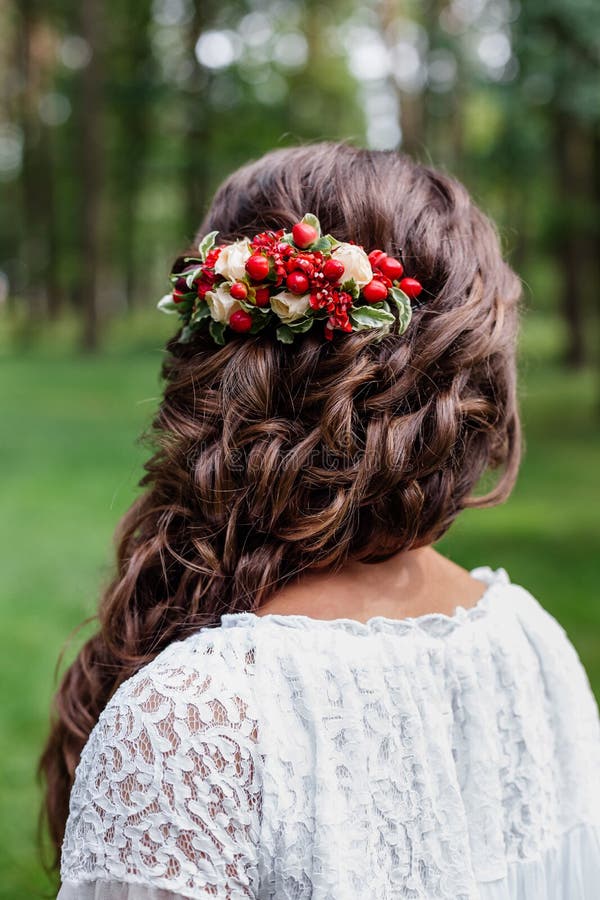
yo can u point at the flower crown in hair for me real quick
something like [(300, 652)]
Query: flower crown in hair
[(289, 282)]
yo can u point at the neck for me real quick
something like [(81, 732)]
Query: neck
[(411, 583)]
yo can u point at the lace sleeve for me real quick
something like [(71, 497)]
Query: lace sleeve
[(166, 795)]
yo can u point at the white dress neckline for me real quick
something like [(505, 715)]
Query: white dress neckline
[(436, 622)]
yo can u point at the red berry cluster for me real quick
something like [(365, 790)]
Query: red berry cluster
[(301, 272), (325, 295), (287, 261), (386, 271), (280, 261)]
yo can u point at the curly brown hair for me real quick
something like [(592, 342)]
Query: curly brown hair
[(269, 459)]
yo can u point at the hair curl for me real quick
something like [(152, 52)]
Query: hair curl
[(272, 458)]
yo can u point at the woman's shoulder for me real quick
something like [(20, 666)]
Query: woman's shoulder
[(174, 753), (193, 693), (194, 683), (203, 661)]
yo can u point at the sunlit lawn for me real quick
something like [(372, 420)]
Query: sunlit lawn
[(70, 468)]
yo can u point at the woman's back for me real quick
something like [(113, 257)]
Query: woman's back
[(280, 756), (343, 383)]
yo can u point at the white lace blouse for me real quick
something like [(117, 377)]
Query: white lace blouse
[(279, 756)]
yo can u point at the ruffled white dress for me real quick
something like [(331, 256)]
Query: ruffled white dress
[(279, 756)]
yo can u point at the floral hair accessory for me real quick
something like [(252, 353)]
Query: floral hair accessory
[(289, 282)]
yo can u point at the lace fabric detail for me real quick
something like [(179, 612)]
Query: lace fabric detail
[(286, 757), (167, 790)]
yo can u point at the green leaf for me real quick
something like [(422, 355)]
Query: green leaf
[(259, 323), (381, 304), (201, 312), (322, 244), (351, 288), (166, 304), (191, 276), (404, 309), (206, 244), (310, 219), (217, 331), (301, 325), (285, 334), (333, 242), (288, 239), (370, 317)]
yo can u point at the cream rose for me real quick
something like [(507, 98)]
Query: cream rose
[(221, 303), (355, 262), (290, 307), (231, 263)]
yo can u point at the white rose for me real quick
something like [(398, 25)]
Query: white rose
[(290, 307), (355, 262), (221, 303), (231, 263)]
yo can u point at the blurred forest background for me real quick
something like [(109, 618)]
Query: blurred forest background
[(117, 120)]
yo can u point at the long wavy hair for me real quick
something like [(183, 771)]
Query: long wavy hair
[(269, 459)]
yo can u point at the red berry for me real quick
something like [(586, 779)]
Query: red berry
[(297, 282), (238, 290), (261, 296), (304, 235), (374, 291), (411, 287), (333, 270), (375, 257), (257, 266), (391, 267), (240, 320)]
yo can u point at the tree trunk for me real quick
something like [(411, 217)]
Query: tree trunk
[(595, 185), (131, 61), (412, 107), (47, 207), (196, 168), (570, 249), (91, 171), (40, 238)]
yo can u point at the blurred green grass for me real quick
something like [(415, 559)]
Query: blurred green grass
[(70, 462)]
